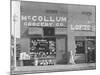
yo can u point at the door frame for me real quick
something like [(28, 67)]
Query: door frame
[(66, 43)]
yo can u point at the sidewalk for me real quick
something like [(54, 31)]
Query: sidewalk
[(55, 68)]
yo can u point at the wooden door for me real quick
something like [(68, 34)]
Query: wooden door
[(60, 50)]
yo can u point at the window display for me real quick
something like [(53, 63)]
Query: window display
[(42, 51), (80, 47)]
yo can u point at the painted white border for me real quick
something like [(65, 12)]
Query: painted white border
[(15, 24), (5, 37)]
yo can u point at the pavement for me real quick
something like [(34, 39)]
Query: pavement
[(54, 68)]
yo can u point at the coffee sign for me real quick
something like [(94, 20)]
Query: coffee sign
[(83, 27)]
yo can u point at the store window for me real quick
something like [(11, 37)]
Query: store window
[(80, 47), (42, 52), (49, 31)]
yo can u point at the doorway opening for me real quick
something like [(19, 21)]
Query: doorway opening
[(61, 50), (85, 49)]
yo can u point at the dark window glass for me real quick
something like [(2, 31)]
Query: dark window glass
[(80, 47), (49, 31)]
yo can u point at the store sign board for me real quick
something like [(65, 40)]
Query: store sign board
[(60, 31), (83, 27), (44, 21), (35, 30)]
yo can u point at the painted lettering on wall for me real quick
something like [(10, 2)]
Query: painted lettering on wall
[(83, 27), (51, 21)]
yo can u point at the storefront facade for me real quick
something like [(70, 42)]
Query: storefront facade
[(55, 34), (45, 33), (82, 34)]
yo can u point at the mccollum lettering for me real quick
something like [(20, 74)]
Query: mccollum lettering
[(44, 18)]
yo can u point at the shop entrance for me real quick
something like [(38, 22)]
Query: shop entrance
[(61, 50), (91, 50), (85, 49)]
